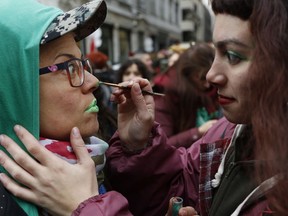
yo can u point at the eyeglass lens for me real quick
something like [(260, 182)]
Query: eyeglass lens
[(76, 71)]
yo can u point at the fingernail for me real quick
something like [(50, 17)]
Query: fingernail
[(75, 132), (2, 177), (97, 84), (17, 128)]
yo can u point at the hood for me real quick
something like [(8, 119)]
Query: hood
[(19, 65)]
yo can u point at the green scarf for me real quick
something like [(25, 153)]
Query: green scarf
[(203, 116), (22, 24)]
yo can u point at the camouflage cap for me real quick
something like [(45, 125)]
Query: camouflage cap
[(82, 20)]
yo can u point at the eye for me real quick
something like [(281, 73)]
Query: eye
[(137, 73), (234, 58), (126, 73), (73, 68)]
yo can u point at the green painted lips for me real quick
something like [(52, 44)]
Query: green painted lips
[(92, 107)]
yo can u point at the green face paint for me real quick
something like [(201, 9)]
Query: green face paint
[(92, 107)]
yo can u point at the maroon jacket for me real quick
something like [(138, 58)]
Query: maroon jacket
[(166, 109), (148, 179)]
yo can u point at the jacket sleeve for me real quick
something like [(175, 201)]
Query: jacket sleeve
[(108, 204), (148, 179), (164, 114), (185, 138)]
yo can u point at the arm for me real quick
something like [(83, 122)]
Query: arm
[(109, 204), (51, 180), (135, 113), (188, 137), (149, 178), (165, 114)]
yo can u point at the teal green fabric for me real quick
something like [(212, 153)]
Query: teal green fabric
[(203, 116), (22, 24)]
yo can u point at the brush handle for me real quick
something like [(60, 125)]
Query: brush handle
[(144, 92)]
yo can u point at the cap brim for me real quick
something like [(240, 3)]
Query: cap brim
[(82, 20)]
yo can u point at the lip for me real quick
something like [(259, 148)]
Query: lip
[(225, 100), (92, 108)]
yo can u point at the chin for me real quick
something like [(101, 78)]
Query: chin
[(89, 130), (236, 119)]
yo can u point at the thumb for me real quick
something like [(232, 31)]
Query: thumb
[(78, 146)]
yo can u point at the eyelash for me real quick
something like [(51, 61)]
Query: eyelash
[(234, 58)]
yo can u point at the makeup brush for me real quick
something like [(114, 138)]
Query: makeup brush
[(127, 87)]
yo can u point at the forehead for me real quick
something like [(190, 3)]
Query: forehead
[(63, 45), (232, 29), (132, 67)]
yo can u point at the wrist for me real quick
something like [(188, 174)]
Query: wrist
[(83, 204), (137, 147)]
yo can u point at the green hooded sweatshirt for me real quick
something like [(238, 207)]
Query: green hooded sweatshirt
[(22, 24)]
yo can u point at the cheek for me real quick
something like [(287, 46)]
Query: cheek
[(58, 115), (242, 84), (56, 105), (125, 78)]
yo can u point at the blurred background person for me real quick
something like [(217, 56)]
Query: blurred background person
[(190, 105), (132, 68), (101, 67), (146, 59), (107, 115), (103, 72)]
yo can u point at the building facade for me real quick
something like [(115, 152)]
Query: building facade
[(140, 26), (143, 25), (196, 21)]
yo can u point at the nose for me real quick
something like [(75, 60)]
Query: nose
[(215, 75), (131, 76), (91, 83)]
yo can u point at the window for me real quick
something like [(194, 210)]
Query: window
[(187, 14)]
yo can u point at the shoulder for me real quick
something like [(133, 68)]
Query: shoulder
[(222, 129)]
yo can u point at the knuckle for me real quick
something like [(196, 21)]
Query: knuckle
[(90, 164), (16, 175), (20, 159), (34, 150), (16, 193)]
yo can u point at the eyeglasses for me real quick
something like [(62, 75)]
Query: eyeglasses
[(75, 69)]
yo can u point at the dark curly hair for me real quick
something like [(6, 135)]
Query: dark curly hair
[(140, 65)]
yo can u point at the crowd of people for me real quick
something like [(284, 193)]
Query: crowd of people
[(217, 138)]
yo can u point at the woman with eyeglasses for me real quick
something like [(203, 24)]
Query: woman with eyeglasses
[(47, 87), (238, 168)]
